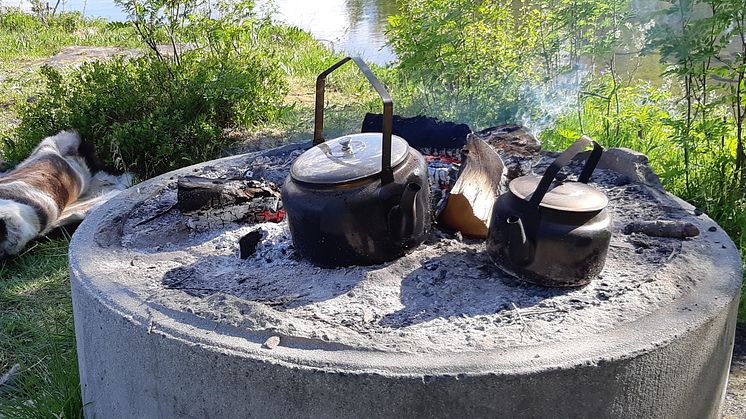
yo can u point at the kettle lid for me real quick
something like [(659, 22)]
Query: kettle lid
[(566, 196), (346, 159)]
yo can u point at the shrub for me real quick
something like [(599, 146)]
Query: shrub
[(150, 116), (164, 110), (459, 59)]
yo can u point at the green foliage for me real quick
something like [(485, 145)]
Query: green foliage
[(490, 62), (568, 30), (703, 42), (459, 59), (166, 110), (23, 36), (36, 332), (150, 116)]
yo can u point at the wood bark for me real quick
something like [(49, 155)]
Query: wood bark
[(213, 203), (480, 181)]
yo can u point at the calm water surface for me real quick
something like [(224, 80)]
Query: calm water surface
[(351, 26), (356, 27)]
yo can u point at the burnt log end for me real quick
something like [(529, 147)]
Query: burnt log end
[(197, 193)]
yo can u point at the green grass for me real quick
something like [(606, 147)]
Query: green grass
[(36, 332), (36, 323), (24, 37)]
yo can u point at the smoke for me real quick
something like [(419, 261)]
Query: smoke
[(551, 99), (644, 7), (554, 98)]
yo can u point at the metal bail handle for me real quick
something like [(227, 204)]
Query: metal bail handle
[(563, 160), (387, 173)]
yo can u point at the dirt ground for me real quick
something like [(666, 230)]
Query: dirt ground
[(735, 400)]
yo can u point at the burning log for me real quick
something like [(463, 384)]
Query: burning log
[(213, 203), (480, 181), (198, 193)]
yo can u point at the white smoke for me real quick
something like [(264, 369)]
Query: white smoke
[(552, 99)]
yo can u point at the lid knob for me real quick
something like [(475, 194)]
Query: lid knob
[(345, 142)]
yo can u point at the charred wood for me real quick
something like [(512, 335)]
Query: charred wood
[(198, 193), (422, 131), (247, 244), (663, 228), (513, 143), (212, 203)]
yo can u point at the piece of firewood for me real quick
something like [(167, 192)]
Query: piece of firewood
[(421, 131), (248, 243), (663, 228), (480, 181), (198, 193), (215, 203)]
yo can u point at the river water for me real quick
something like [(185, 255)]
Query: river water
[(355, 27)]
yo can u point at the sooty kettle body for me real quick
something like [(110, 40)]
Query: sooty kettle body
[(359, 199), (552, 233)]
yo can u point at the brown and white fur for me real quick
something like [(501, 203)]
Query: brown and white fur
[(35, 193)]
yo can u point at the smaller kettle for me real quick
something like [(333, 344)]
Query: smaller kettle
[(552, 233)]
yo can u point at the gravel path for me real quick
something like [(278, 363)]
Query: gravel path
[(735, 400)]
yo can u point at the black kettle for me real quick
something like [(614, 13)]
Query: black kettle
[(360, 199), (552, 233)]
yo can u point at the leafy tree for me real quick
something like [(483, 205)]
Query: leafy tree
[(460, 58)]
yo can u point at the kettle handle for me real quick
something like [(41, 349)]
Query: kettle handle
[(563, 160), (387, 173)]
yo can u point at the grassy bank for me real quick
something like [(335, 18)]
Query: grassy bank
[(26, 42), (36, 323), (36, 333), (24, 37)]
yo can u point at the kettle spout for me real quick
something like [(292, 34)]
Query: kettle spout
[(403, 217), (519, 248)]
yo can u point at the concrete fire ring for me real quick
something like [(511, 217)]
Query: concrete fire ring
[(140, 359)]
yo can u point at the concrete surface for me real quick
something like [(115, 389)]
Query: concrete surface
[(734, 406), (139, 358)]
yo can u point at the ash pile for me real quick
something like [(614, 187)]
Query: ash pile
[(219, 246)]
